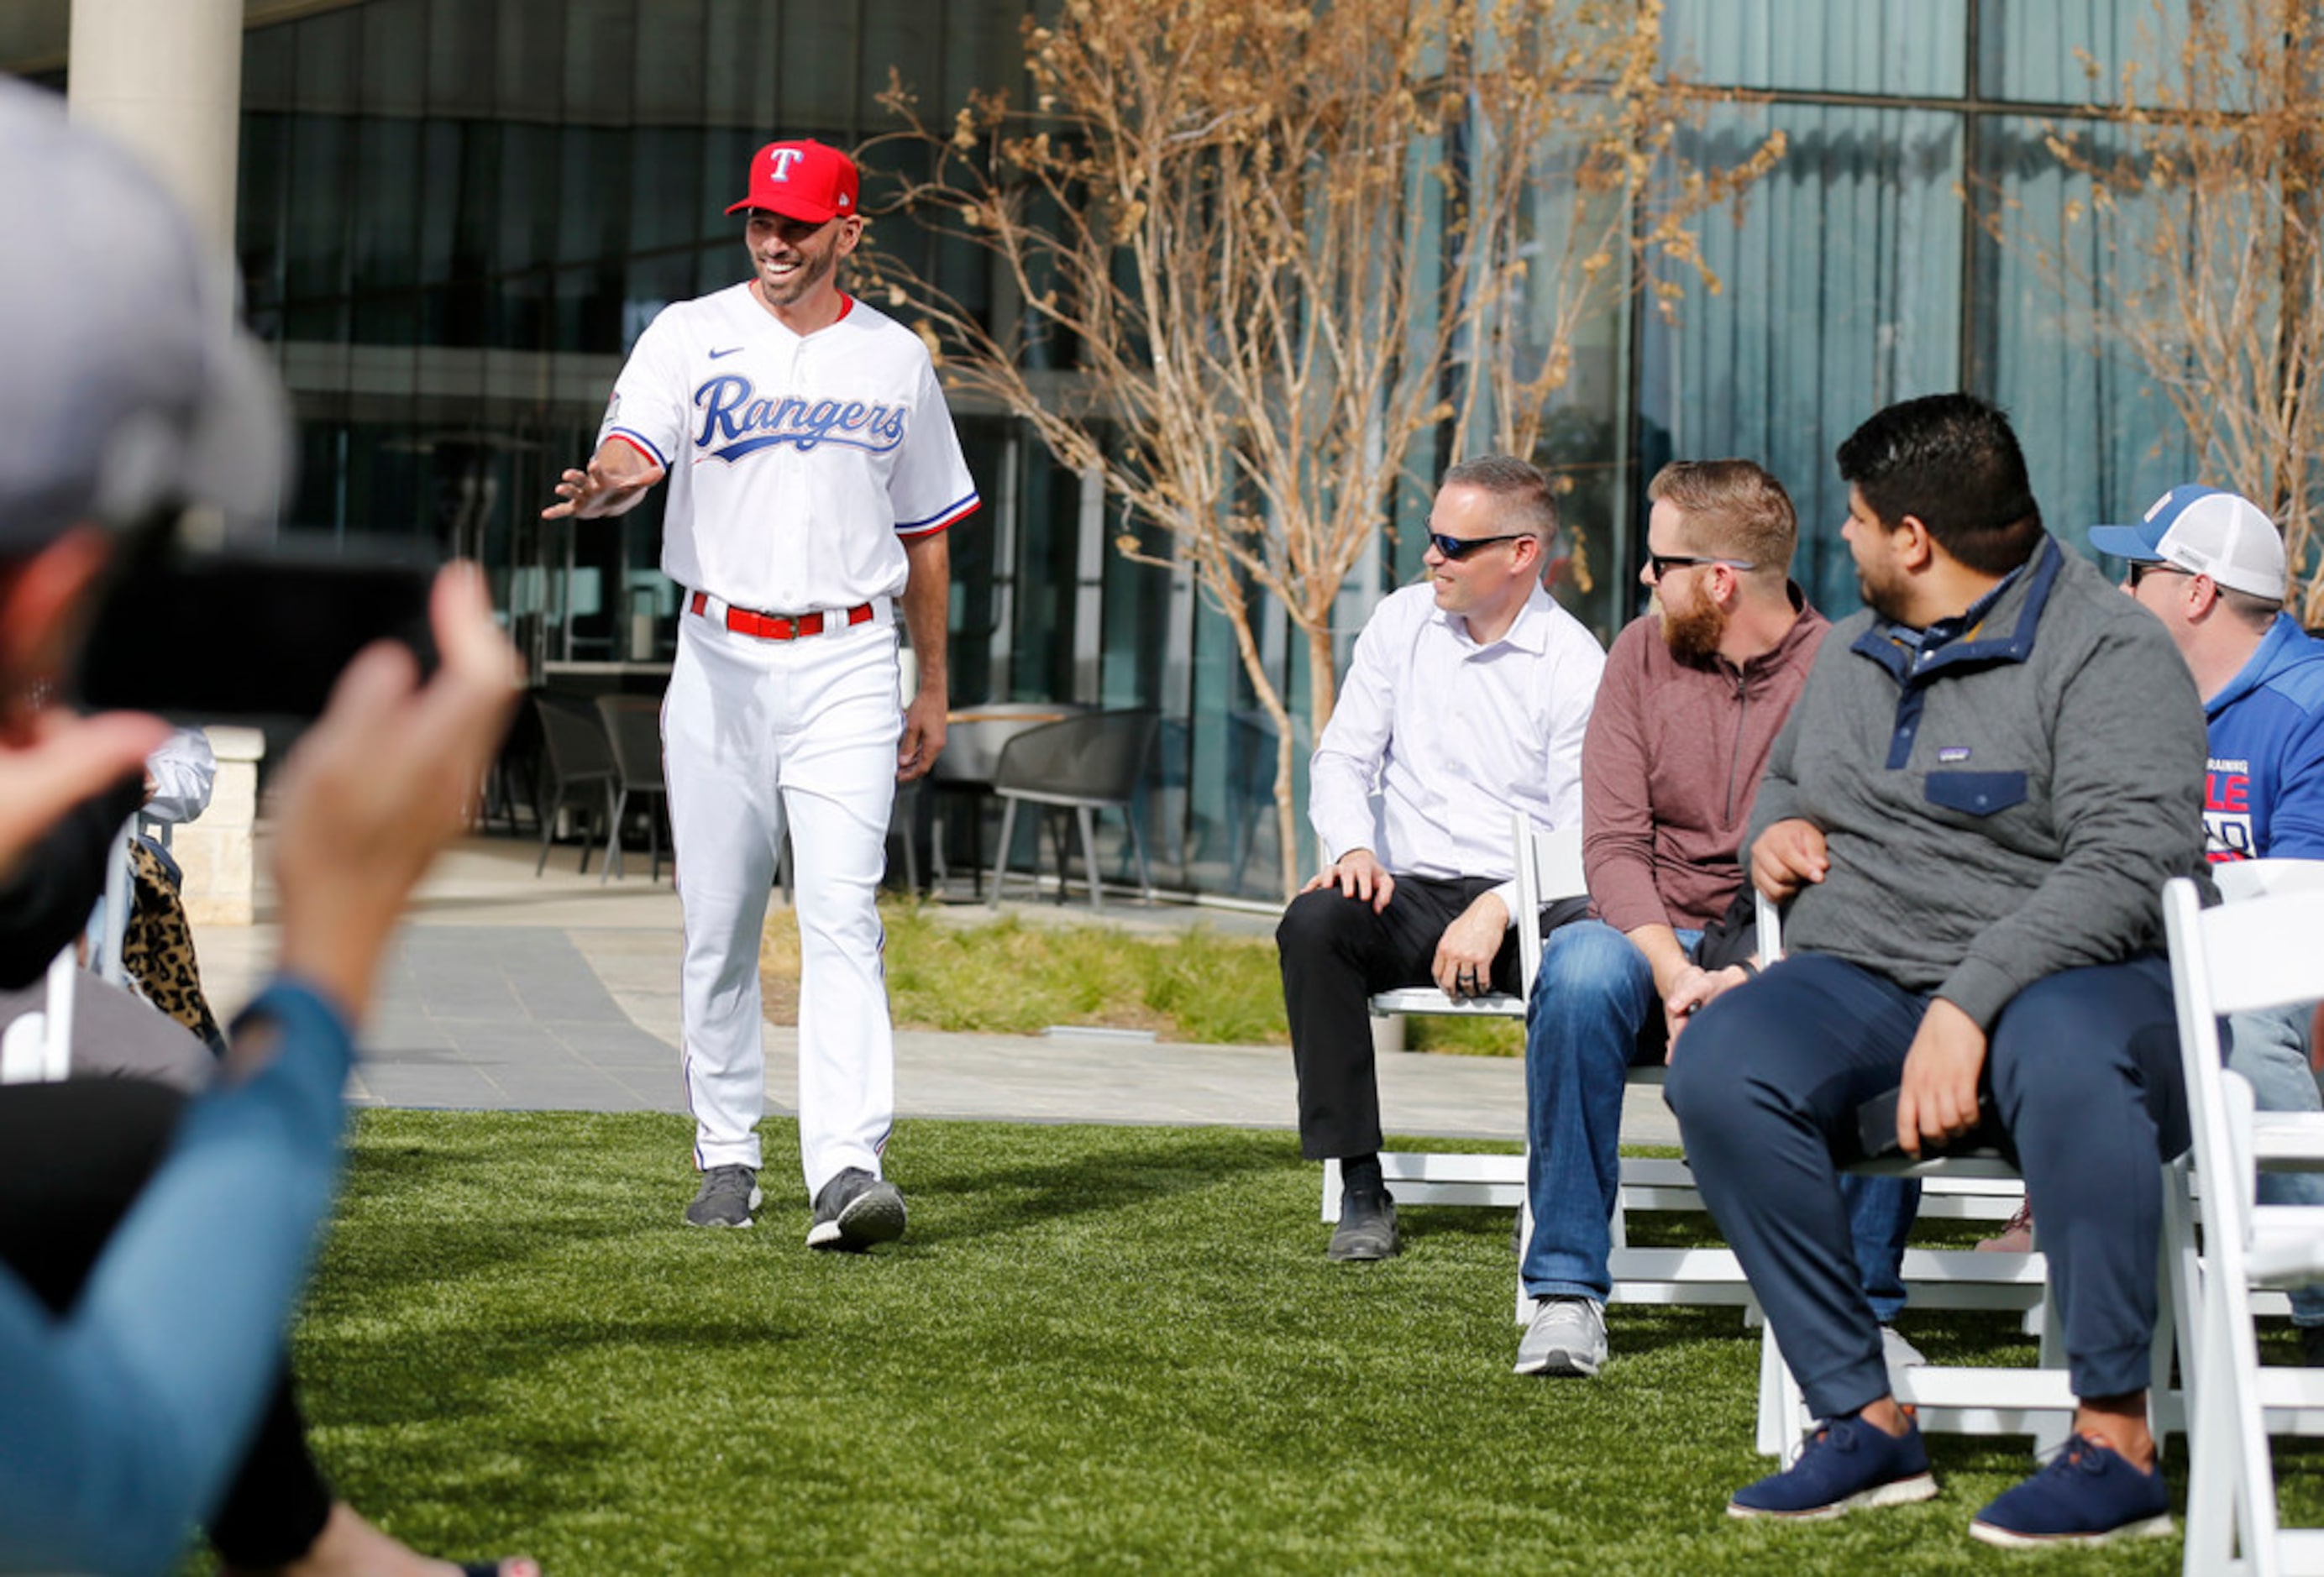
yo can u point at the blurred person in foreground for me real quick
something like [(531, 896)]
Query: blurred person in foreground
[(155, 1247)]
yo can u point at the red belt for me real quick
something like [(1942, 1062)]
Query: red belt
[(779, 626)]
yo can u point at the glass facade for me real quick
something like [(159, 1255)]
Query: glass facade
[(1856, 274), (456, 214)]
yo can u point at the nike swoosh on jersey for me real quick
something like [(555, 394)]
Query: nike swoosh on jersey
[(730, 350)]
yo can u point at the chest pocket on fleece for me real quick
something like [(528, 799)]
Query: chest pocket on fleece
[(1976, 793)]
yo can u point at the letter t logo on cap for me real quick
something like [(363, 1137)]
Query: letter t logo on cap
[(782, 159)]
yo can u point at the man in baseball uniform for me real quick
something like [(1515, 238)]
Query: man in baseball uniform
[(813, 470)]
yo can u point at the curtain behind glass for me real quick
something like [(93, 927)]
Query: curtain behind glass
[(1842, 293), (2101, 443), (1915, 46)]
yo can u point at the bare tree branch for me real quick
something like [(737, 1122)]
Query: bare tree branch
[(2197, 257), (1272, 238)]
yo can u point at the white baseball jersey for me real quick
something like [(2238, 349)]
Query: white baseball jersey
[(797, 462)]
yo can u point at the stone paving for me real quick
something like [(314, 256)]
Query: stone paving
[(509, 991)]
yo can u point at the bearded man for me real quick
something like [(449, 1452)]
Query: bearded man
[(1693, 696)]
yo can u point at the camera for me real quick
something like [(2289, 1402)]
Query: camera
[(248, 634)]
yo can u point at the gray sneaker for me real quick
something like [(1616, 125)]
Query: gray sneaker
[(726, 1198), (1567, 1336), (856, 1210), (1366, 1229)]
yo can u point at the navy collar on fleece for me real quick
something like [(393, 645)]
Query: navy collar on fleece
[(1956, 644)]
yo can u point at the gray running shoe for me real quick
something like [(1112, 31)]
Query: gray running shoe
[(1567, 1336), (726, 1198), (856, 1210), (1366, 1229)]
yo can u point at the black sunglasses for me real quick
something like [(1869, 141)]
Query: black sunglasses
[(1661, 564), (2141, 569), (1459, 548)]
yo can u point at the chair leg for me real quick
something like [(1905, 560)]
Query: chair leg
[(1138, 843), (1001, 860), (654, 813), (1783, 1409), (2051, 1430), (1086, 818), (1052, 822), (547, 828), (1330, 1191), (614, 838)]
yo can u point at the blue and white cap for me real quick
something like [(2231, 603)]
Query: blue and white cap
[(2204, 531), (128, 391)]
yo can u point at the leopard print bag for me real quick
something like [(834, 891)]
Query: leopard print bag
[(157, 946)]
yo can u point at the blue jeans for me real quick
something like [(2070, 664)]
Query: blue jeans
[(2270, 1048), (1593, 1000)]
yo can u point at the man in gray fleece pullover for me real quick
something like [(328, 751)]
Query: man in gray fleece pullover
[(1972, 808)]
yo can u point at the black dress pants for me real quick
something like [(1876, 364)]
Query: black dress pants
[(73, 1158), (1335, 952)]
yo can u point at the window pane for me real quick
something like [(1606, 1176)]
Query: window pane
[(528, 58), (2073, 51), (2102, 442), (670, 64), (818, 66), (1917, 47)]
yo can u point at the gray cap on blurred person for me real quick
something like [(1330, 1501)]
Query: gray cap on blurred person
[(126, 391)]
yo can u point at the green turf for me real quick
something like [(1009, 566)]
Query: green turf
[(1099, 1348)]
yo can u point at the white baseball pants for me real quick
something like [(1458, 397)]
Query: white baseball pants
[(754, 732)]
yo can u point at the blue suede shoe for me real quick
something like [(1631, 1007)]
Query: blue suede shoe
[(2089, 1494), (1848, 1465)]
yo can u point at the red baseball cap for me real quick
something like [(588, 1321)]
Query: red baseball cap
[(808, 180)]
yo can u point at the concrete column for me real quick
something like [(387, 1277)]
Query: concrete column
[(165, 76), (216, 850)]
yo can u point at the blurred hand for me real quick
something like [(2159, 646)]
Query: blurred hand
[(1357, 875), (57, 760), (381, 783)]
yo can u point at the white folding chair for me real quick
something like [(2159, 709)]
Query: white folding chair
[(36, 1048), (1548, 867), (1960, 1399), (2258, 952)]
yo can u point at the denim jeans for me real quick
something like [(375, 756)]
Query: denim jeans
[(1593, 998), (2270, 1048)]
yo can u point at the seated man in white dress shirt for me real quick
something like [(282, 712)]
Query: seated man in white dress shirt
[(1467, 699)]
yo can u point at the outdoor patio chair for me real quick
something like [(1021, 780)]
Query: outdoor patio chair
[(580, 769), (634, 730), (1083, 764), (2256, 951)]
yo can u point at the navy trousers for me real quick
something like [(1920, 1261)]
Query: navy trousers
[(2083, 1069)]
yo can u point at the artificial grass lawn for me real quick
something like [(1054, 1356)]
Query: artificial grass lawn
[(1103, 1349), (1007, 977)]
